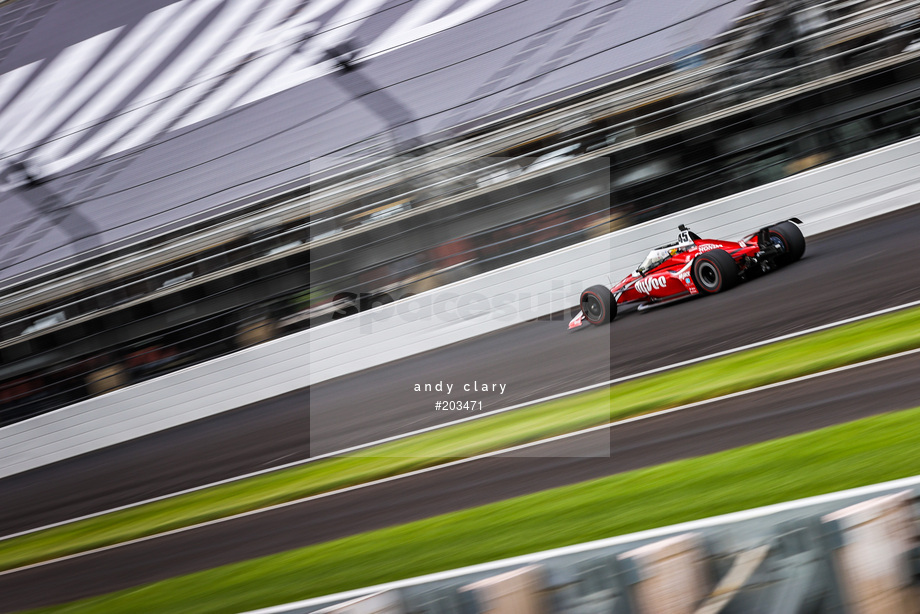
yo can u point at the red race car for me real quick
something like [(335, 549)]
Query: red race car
[(692, 266)]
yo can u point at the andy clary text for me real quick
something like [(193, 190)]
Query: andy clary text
[(475, 386)]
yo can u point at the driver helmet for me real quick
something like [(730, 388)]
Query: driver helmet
[(681, 247)]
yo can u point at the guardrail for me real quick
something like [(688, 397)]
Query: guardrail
[(806, 555), (825, 198)]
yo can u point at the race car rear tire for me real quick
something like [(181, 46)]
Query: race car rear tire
[(792, 239), (714, 271), (598, 305)]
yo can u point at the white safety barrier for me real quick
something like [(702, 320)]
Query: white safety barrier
[(825, 198)]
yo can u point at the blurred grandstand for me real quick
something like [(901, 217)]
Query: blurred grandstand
[(174, 193)]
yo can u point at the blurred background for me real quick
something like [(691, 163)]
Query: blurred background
[(184, 180)]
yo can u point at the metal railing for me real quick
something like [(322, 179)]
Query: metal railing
[(442, 191), (65, 380), (445, 157)]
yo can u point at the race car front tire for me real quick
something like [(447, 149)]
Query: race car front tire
[(792, 239), (598, 305), (714, 271)]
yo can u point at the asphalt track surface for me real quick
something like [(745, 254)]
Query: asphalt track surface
[(844, 273), (759, 416)]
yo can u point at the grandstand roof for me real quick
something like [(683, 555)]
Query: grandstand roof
[(138, 117)]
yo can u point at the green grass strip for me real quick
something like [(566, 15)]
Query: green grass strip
[(795, 357), (844, 456)]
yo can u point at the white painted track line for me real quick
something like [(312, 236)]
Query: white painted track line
[(493, 412), (471, 459)]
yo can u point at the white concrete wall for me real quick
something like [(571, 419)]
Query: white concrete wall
[(824, 198)]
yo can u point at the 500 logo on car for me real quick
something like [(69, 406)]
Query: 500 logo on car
[(652, 283)]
